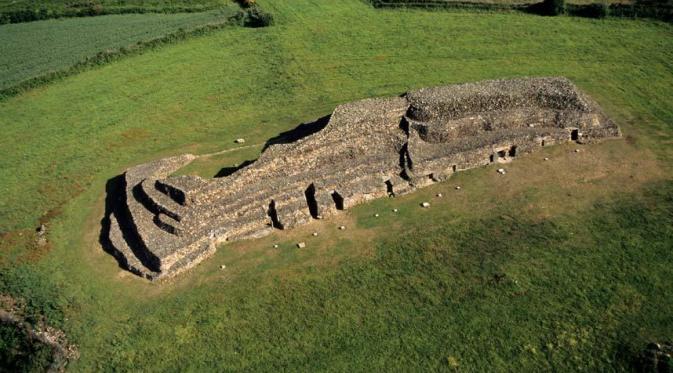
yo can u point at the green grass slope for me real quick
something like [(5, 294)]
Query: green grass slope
[(560, 265), (31, 50)]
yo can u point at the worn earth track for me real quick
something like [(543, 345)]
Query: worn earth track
[(369, 149)]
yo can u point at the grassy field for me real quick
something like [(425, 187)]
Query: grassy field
[(34, 49), (559, 265)]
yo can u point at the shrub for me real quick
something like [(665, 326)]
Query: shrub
[(596, 10), (247, 3), (95, 10), (554, 7), (254, 17), (20, 353)]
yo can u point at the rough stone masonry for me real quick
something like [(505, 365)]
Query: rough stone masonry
[(369, 149)]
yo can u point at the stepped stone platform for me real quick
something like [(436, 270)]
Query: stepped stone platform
[(369, 149)]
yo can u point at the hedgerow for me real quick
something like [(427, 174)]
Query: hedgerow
[(656, 9), (253, 16), (40, 14)]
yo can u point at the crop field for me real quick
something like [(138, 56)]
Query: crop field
[(13, 5), (31, 50), (559, 265)]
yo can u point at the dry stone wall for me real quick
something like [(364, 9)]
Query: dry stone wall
[(369, 149)]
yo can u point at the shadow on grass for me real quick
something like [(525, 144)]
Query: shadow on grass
[(114, 189), (226, 171), (299, 132), (115, 196)]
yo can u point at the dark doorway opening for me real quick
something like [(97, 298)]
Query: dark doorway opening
[(574, 135), (389, 188), (338, 200), (512, 151), (273, 214), (311, 201)]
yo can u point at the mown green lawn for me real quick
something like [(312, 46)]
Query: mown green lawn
[(34, 49), (563, 265)]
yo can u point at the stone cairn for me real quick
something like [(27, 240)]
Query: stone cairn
[(369, 149)]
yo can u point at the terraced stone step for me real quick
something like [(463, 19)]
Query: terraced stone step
[(159, 201), (360, 190), (291, 210), (251, 232), (168, 224), (181, 188), (153, 240), (204, 250), (252, 221), (130, 261), (295, 189), (296, 185)]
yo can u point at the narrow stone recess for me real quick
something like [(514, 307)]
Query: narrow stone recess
[(311, 201), (338, 200), (273, 215), (389, 188)]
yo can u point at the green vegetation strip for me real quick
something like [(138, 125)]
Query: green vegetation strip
[(662, 10), (16, 11), (39, 52)]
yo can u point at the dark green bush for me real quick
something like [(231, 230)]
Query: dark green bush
[(247, 3), (44, 299), (254, 17), (595, 10), (554, 7), (91, 10), (19, 353)]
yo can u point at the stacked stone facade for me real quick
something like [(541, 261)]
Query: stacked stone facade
[(369, 149)]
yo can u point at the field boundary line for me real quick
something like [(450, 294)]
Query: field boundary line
[(105, 57)]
